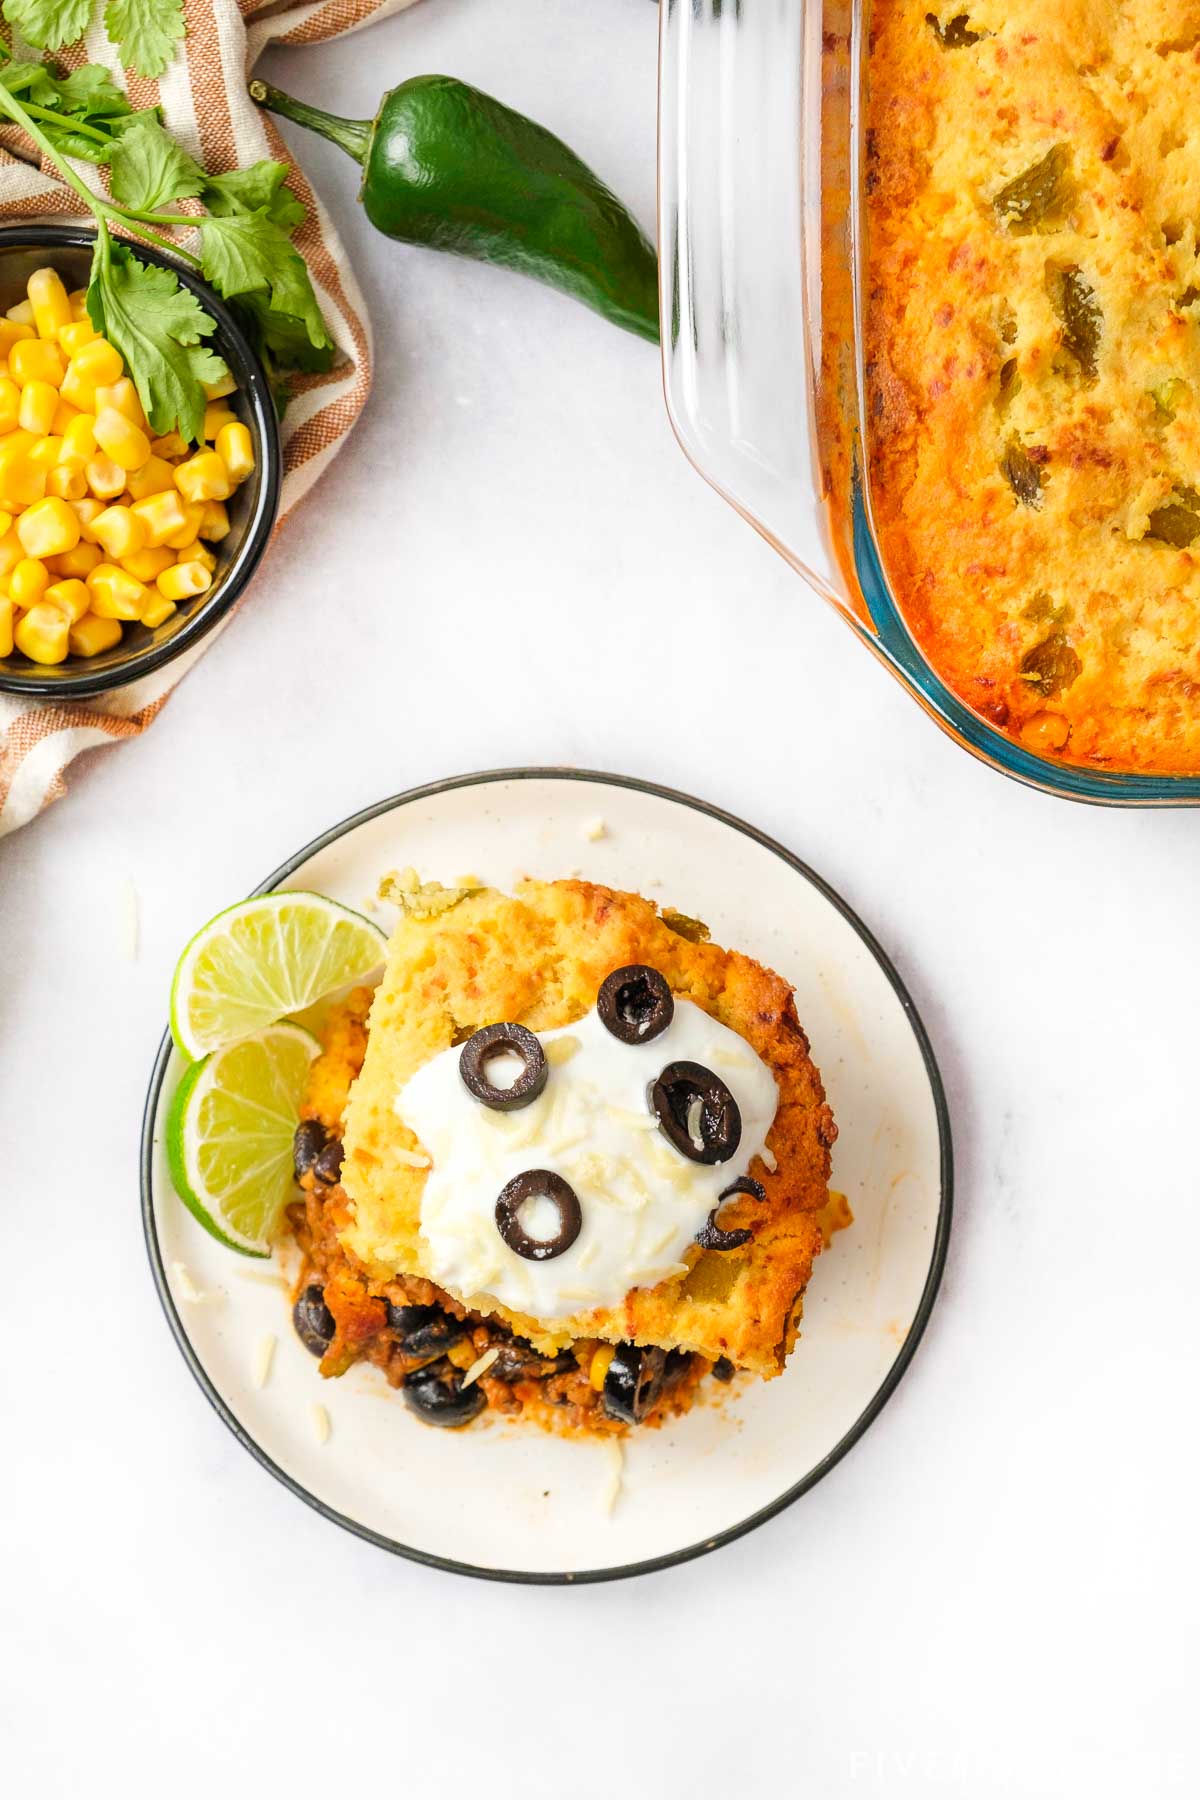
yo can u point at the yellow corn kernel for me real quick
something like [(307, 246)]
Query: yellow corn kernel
[(64, 415), (73, 337), (22, 314), (154, 477), (66, 482), (96, 365), (214, 390), (105, 478), (171, 445), (119, 532), (39, 402), (188, 531), (42, 634), (121, 439), (47, 528), (71, 597), (214, 525), (599, 1365), (78, 299), (115, 593), (7, 614), (12, 551), (77, 564), (21, 481), (162, 514), (195, 551), (87, 511), (122, 396), (10, 404), (147, 565), (35, 360), (28, 582), (50, 302), (92, 634), (157, 611), (43, 452), (216, 414), (78, 441), (203, 477), (183, 581), (11, 334), (235, 447)]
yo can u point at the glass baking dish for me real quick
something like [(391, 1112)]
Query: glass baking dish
[(761, 228)]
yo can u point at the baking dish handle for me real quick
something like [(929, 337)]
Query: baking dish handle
[(739, 183)]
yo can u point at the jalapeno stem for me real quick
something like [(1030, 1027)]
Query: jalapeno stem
[(354, 135)]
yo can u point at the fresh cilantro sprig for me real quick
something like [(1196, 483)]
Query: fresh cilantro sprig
[(245, 250), (146, 33)]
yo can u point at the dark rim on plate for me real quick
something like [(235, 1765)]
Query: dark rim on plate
[(255, 390), (903, 1356)]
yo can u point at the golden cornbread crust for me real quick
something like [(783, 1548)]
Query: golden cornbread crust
[(1034, 484), (538, 959)]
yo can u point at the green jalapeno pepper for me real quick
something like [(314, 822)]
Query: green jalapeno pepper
[(449, 167)]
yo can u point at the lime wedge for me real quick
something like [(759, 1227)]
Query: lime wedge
[(229, 1135), (263, 959)]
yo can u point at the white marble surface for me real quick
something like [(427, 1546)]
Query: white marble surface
[(996, 1593)]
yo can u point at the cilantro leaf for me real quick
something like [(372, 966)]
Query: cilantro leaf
[(248, 190), (159, 328), (245, 253), (147, 169), (146, 32), (48, 24), (93, 110), (91, 93)]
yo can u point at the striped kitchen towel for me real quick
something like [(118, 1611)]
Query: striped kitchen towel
[(205, 105)]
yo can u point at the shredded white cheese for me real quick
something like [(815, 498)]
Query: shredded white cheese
[(480, 1366), (595, 829), (770, 1161), (264, 1355), (611, 1491), (321, 1425), (412, 1159), (187, 1288)]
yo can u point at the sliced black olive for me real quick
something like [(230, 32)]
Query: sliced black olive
[(519, 1361), (710, 1236), (697, 1112), (313, 1320), (500, 1040), (538, 1184), (722, 1369), (437, 1395), (424, 1331), (634, 1381), (635, 1004), (308, 1143), (328, 1166)]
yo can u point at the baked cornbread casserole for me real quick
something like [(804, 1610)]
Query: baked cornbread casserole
[(568, 1159), (1033, 362)]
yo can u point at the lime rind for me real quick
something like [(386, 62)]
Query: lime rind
[(263, 959), (229, 1135)]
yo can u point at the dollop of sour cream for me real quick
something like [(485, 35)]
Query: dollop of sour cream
[(642, 1200)]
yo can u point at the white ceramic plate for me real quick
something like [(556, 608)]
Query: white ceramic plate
[(517, 1504)]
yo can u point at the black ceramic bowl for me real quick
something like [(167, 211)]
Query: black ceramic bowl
[(24, 248)]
